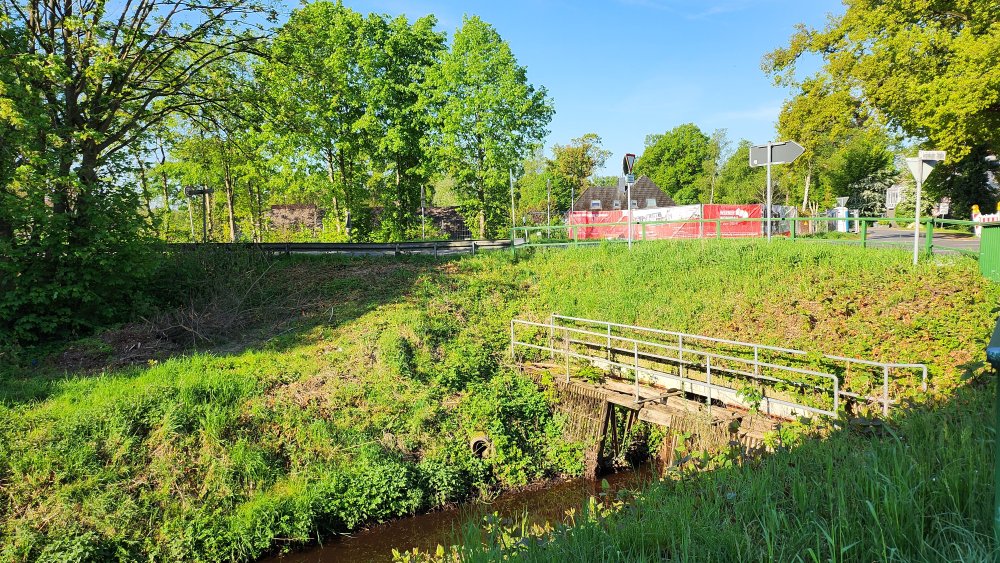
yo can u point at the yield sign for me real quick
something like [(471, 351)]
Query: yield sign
[(627, 163), (921, 166)]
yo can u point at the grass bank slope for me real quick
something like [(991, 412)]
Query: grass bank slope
[(360, 405)]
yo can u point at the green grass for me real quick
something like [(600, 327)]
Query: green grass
[(357, 405), (921, 492)]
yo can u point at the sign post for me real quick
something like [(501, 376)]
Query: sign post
[(628, 162), (783, 152), (921, 167), (203, 192)]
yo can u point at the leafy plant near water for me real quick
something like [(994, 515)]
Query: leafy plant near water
[(349, 389)]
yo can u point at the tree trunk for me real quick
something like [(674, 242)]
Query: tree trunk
[(805, 193), (230, 207), (210, 214), (329, 175), (166, 195)]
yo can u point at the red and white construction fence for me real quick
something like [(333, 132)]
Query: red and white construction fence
[(981, 218), (685, 222)]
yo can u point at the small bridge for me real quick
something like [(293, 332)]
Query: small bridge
[(696, 383)]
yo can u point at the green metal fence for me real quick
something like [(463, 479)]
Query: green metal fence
[(989, 252), (949, 232)]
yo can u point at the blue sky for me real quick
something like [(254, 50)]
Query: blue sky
[(627, 68)]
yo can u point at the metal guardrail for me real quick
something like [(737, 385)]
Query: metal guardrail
[(756, 367), (435, 248)]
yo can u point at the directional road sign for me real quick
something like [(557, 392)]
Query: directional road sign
[(781, 153), (191, 192), (627, 163), (773, 153)]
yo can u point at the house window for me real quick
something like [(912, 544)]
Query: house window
[(595, 204), (635, 204), (651, 202), (617, 204)]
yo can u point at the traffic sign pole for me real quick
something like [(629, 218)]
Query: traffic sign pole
[(921, 167), (916, 222), (773, 153), (628, 163), (770, 151)]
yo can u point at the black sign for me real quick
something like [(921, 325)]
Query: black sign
[(191, 192), (627, 163)]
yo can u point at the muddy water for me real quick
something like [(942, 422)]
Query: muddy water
[(427, 531)]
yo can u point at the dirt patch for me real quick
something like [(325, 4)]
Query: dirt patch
[(131, 344)]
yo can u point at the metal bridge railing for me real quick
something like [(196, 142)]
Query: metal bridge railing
[(849, 365), (764, 364), (712, 364)]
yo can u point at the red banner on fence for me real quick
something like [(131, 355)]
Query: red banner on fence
[(732, 228)]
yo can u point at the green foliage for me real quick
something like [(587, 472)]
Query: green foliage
[(312, 428), (921, 65), (675, 162), (862, 169), (966, 183), (572, 165), (490, 117), (738, 182), (922, 491)]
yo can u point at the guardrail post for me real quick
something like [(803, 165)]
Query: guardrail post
[(635, 350), (708, 373), (566, 351), (609, 341), (864, 234), (473, 248), (885, 391), (993, 356), (929, 248), (793, 229), (718, 228)]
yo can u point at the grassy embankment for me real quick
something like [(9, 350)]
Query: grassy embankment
[(361, 408)]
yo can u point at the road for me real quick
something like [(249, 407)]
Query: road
[(944, 243)]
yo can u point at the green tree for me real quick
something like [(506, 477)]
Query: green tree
[(395, 62), (821, 117), (718, 148), (676, 162), (573, 165), (489, 119), (738, 182), (315, 82), (862, 171), (927, 66), (966, 182), (87, 81)]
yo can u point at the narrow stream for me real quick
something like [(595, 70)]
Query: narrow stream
[(426, 531)]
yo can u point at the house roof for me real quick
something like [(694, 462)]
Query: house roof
[(644, 189)]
